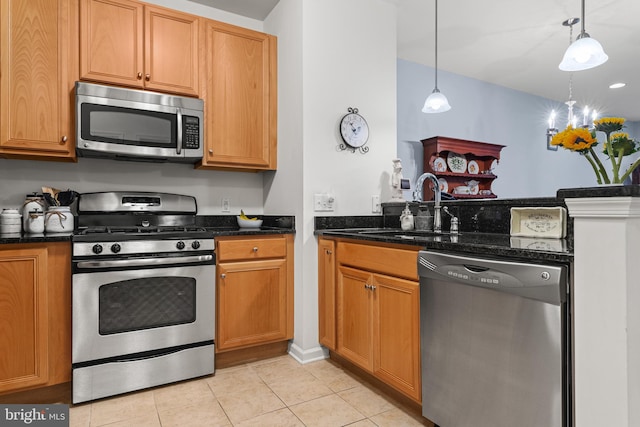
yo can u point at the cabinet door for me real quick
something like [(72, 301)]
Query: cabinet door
[(240, 96), (252, 303), (397, 334), (355, 316), (23, 318), (38, 69), (111, 42), (327, 293), (171, 51)]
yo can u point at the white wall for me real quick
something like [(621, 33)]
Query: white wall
[(489, 113), (329, 61), (283, 190), (21, 177)]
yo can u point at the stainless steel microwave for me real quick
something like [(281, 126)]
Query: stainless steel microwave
[(137, 125)]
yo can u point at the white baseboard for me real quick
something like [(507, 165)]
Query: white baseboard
[(307, 356)]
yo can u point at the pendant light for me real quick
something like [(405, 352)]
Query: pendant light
[(584, 53), (436, 102)]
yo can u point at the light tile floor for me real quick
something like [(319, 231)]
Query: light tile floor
[(272, 392)]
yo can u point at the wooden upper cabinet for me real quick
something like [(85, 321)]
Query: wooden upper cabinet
[(239, 87), (38, 70), (128, 43), (171, 51)]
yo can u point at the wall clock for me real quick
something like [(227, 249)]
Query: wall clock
[(354, 131)]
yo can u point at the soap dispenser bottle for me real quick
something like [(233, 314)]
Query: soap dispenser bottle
[(406, 219)]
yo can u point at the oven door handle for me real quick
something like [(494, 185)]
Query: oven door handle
[(136, 262)]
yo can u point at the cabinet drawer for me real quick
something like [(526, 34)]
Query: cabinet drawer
[(391, 261), (256, 248)]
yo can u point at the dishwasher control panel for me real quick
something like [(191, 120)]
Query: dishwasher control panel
[(537, 281)]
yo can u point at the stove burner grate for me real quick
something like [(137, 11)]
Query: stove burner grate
[(141, 230)]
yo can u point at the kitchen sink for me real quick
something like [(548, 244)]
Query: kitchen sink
[(402, 234), (396, 231)]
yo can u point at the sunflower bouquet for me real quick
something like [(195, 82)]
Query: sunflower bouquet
[(616, 147)]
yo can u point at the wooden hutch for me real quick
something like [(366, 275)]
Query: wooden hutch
[(478, 158)]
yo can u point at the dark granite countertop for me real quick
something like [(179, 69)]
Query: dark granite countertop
[(484, 230), (10, 238), (227, 225), (472, 243), (220, 225)]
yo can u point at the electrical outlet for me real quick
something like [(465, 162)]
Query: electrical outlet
[(375, 204), (323, 202), (225, 205)]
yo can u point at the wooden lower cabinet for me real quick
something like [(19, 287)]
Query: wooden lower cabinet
[(35, 316), (254, 297), (377, 311), (327, 293)]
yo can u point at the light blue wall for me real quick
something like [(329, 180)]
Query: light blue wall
[(489, 113)]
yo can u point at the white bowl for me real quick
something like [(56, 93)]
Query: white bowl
[(249, 223)]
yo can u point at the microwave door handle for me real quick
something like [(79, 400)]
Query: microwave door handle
[(179, 145)]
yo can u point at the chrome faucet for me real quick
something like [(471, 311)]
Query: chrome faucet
[(417, 197)]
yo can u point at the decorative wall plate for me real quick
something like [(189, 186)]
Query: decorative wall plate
[(457, 162), (473, 167), (473, 186), (439, 165), (444, 185)]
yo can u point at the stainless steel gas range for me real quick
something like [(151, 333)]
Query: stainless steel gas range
[(143, 305)]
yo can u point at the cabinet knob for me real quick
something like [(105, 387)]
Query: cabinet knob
[(223, 276), (372, 287), (139, 76), (64, 139), (328, 252), (255, 249), (210, 151), (147, 77)]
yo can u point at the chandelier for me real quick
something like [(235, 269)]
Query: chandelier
[(588, 116)]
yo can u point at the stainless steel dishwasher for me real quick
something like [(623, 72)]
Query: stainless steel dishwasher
[(496, 343)]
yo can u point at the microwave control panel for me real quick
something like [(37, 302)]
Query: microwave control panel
[(190, 132)]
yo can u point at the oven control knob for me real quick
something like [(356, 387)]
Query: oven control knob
[(97, 249), (195, 244), (180, 245), (115, 248)]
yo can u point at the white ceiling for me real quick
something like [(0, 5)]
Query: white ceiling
[(516, 43), (256, 9)]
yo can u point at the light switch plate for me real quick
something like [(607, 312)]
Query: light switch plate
[(225, 205), (375, 204), (323, 202)]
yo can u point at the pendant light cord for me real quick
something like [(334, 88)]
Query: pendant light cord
[(582, 22), (437, 44)]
